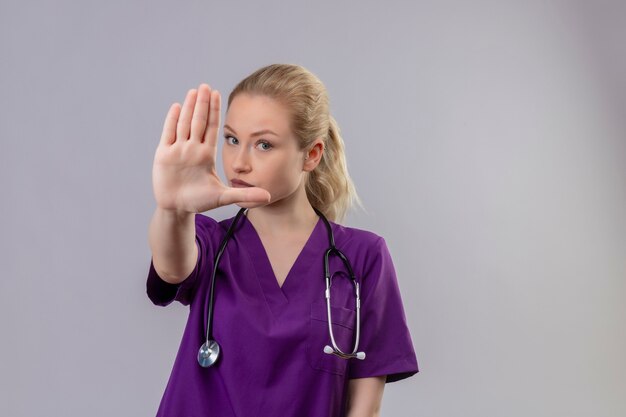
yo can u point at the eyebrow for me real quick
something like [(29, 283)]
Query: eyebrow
[(259, 133)]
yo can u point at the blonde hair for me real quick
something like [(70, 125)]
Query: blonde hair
[(329, 187)]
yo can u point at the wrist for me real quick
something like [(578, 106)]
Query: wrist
[(174, 215)]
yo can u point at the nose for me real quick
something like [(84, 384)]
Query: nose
[(241, 163)]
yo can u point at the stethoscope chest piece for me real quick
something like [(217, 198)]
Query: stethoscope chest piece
[(208, 353)]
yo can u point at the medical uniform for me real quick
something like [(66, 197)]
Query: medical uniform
[(272, 338)]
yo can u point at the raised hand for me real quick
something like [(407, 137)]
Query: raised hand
[(184, 177)]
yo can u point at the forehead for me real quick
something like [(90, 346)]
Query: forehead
[(249, 113)]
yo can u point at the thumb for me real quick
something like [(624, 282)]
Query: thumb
[(244, 195)]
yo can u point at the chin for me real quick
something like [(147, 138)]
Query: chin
[(251, 205)]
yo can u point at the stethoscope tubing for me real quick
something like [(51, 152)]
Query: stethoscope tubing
[(218, 256), (209, 351)]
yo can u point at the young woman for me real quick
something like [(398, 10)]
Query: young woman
[(258, 341)]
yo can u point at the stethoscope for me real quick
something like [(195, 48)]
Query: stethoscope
[(210, 349)]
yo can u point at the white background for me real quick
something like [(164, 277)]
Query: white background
[(487, 140)]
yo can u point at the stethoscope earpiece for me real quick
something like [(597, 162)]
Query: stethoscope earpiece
[(331, 351)]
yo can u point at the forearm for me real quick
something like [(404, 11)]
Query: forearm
[(172, 239), (365, 396), (355, 413)]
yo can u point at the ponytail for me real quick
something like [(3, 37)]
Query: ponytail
[(329, 186)]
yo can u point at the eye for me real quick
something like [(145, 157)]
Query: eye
[(265, 146), (234, 140)]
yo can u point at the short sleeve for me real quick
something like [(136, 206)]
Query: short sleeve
[(385, 336), (162, 293)]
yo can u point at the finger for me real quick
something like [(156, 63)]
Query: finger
[(210, 135), (168, 136), (244, 195), (200, 113), (184, 121)]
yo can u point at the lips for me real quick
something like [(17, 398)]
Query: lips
[(239, 183)]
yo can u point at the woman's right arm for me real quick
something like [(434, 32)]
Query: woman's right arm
[(185, 182), (172, 238)]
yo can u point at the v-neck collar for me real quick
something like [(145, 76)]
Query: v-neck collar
[(274, 293)]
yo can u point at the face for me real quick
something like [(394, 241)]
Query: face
[(259, 147)]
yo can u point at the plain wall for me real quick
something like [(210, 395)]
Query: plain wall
[(487, 140)]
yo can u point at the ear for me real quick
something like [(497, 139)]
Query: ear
[(313, 155)]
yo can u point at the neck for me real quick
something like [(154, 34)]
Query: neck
[(293, 213)]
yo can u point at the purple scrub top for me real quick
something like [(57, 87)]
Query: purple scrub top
[(272, 338)]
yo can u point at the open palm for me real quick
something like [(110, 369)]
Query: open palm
[(184, 177)]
